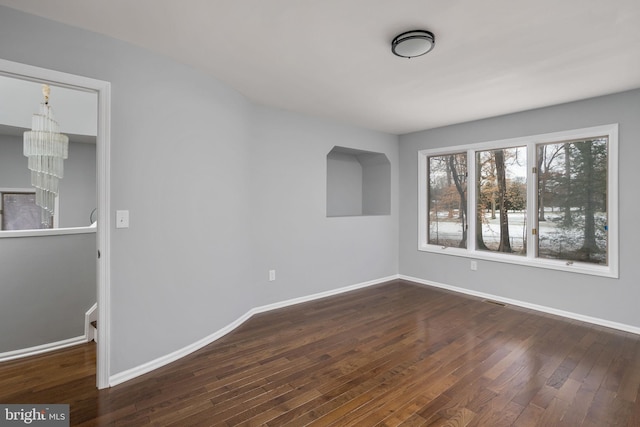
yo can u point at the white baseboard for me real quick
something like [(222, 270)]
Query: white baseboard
[(536, 307), (320, 295), (90, 316), (39, 349), (132, 373)]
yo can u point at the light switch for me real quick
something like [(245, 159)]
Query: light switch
[(122, 219)]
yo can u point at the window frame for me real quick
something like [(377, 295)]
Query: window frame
[(54, 217), (428, 199), (531, 258), (55, 231)]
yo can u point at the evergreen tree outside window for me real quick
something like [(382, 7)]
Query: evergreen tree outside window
[(572, 200)]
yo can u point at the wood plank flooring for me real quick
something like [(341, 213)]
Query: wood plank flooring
[(389, 355)]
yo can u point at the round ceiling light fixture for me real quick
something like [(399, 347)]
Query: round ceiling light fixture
[(413, 43)]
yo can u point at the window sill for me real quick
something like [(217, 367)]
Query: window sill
[(575, 267), (47, 232)]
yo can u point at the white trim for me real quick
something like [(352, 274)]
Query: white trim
[(530, 259), (90, 316), (8, 234), (613, 236), (103, 172), (320, 295), (423, 203), (532, 200), (16, 190), (172, 357), (44, 348), (103, 149), (471, 197), (536, 307)]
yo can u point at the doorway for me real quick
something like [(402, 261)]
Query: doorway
[(103, 91)]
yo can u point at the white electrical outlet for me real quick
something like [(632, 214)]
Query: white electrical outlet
[(474, 265), (272, 275)]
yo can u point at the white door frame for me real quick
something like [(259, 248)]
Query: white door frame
[(103, 161)]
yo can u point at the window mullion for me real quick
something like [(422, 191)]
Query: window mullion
[(532, 201), (471, 201)]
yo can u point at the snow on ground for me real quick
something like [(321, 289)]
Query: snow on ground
[(554, 239)]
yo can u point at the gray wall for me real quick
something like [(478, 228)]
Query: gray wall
[(47, 285), (344, 184), (14, 172), (77, 188), (49, 282), (219, 192), (610, 299), (376, 191), (291, 233)]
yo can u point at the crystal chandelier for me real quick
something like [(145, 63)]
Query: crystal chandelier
[(46, 148)]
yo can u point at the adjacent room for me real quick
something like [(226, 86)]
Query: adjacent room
[(321, 213)]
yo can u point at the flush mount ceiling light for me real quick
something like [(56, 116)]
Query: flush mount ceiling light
[(413, 43)]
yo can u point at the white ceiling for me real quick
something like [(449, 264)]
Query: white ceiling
[(332, 58)]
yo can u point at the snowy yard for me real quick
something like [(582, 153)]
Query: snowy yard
[(555, 240)]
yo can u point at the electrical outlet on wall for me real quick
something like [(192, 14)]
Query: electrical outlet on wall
[(474, 265), (272, 275)]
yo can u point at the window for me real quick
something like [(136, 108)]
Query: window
[(501, 200), (547, 201), (447, 216), (20, 212), (572, 200)]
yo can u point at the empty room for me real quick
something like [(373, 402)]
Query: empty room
[(327, 213)]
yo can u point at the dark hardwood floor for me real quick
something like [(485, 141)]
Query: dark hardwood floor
[(393, 354)]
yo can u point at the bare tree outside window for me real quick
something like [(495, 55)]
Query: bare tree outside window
[(447, 210), (501, 200)]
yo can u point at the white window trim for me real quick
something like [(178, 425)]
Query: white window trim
[(610, 270)]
